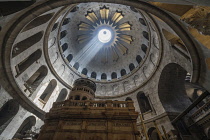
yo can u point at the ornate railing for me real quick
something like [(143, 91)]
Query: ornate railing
[(203, 110), (93, 104)]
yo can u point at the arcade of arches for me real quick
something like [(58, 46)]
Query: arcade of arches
[(153, 53)]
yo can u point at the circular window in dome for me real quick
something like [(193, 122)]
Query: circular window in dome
[(104, 35), (105, 39)]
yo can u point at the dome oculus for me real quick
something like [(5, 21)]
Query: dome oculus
[(109, 29), (104, 35)]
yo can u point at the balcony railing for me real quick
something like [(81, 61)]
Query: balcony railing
[(94, 104), (203, 110)]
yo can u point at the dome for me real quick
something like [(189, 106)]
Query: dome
[(104, 42), (155, 54), (107, 43)]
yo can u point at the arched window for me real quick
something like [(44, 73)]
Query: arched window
[(143, 102), (63, 34), (48, 91), (103, 76), (142, 21), (36, 79), (146, 35), (114, 75), (7, 112), (84, 71), (77, 97), (69, 57), (76, 66), (55, 26), (62, 95), (27, 124), (138, 59), (128, 99), (172, 89), (144, 48), (123, 72), (131, 67), (66, 21), (27, 62), (152, 133), (64, 47), (93, 75), (26, 43), (38, 21)]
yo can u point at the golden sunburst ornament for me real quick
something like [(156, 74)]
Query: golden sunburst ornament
[(110, 29)]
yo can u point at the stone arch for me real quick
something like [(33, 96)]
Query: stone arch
[(38, 21), (48, 91), (144, 48), (64, 47), (142, 21), (69, 57), (131, 67), (123, 72), (55, 26), (66, 21), (171, 88), (27, 62), (103, 76), (93, 75), (138, 59), (62, 95), (26, 125), (114, 75), (152, 134), (63, 34), (146, 35), (26, 43), (7, 113), (84, 71), (76, 66), (143, 101), (36, 79)]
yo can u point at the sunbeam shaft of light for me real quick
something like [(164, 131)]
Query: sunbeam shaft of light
[(88, 52)]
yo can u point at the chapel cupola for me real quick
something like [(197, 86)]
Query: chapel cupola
[(83, 89)]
